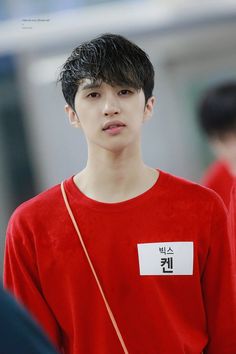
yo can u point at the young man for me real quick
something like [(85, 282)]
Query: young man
[(19, 333), (217, 117), (151, 270)]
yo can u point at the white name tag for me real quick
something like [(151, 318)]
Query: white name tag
[(165, 258)]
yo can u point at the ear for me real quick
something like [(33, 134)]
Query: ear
[(73, 118), (149, 108)]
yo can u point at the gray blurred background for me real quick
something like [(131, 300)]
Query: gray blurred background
[(191, 44)]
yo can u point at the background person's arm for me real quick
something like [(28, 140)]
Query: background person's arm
[(18, 332)]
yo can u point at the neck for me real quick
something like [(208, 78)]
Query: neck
[(114, 177)]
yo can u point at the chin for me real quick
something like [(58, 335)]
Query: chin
[(116, 147)]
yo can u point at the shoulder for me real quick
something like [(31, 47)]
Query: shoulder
[(191, 193), (37, 210), (45, 199)]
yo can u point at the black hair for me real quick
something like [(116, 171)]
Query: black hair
[(217, 110), (108, 58)]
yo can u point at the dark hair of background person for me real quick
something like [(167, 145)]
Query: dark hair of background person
[(217, 110)]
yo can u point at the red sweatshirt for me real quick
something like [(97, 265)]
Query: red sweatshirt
[(164, 260), (219, 178), (232, 213)]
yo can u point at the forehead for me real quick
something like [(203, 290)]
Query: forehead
[(87, 84)]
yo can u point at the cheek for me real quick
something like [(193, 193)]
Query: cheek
[(232, 150), (89, 125), (85, 115), (136, 109)]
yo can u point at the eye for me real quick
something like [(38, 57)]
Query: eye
[(93, 95), (125, 92)]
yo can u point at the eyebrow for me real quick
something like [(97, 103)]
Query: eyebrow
[(89, 86)]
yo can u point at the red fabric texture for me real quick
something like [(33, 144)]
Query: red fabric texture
[(46, 269), (232, 213), (219, 178)]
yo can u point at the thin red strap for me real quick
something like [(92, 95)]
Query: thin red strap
[(93, 270)]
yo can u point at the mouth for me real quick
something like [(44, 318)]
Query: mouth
[(111, 126)]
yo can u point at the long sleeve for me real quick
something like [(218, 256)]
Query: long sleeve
[(219, 287), (21, 276)]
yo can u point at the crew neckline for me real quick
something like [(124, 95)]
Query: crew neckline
[(75, 195)]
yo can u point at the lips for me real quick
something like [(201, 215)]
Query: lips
[(113, 125)]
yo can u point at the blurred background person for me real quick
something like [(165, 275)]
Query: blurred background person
[(18, 332), (232, 212), (217, 117)]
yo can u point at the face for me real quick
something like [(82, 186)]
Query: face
[(110, 116), (225, 148)]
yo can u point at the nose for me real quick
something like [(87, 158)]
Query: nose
[(111, 106)]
